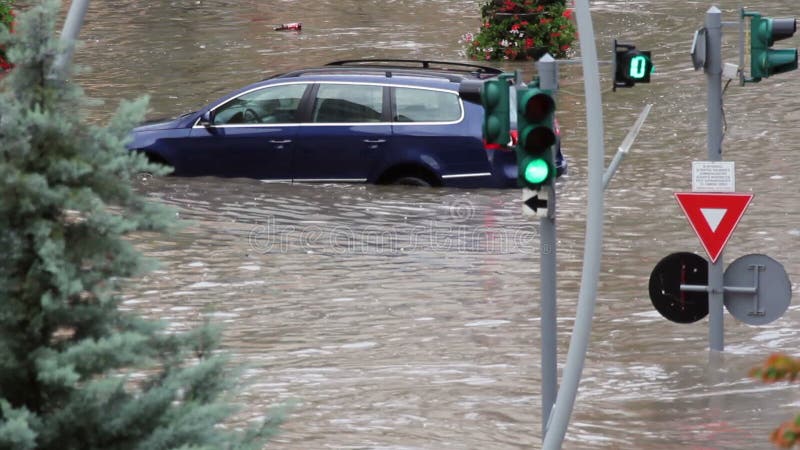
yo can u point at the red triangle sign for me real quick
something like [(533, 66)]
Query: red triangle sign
[(713, 217)]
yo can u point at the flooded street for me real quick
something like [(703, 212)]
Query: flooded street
[(405, 318)]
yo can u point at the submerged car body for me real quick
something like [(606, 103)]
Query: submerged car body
[(352, 121)]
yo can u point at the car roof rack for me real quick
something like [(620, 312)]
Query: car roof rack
[(447, 66), (451, 71)]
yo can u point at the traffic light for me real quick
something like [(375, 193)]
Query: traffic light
[(496, 120), (631, 66), (535, 158), (764, 31)]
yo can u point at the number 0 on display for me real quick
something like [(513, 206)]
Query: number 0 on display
[(638, 67)]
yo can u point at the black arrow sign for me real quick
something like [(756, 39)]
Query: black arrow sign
[(534, 203)]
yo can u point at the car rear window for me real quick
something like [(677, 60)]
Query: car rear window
[(425, 105)]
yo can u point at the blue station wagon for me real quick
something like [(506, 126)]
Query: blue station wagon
[(366, 121)]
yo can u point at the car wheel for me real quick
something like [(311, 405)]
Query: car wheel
[(153, 159), (411, 181)]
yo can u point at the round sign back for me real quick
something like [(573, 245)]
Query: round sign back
[(757, 289), (665, 287)]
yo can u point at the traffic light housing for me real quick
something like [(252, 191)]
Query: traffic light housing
[(537, 137), (631, 66), (496, 120), (764, 60)]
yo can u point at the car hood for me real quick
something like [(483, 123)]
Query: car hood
[(162, 124)]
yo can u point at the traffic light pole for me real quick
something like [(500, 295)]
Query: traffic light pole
[(69, 34), (714, 141), (593, 246), (548, 80)]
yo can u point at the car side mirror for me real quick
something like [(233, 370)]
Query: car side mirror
[(206, 119)]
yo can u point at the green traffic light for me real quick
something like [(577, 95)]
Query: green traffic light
[(537, 171), (492, 94), (764, 32), (493, 129), (496, 122), (535, 122)]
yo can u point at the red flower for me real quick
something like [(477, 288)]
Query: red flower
[(4, 64), (529, 42), (544, 21), (555, 34), (568, 13), (539, 8)]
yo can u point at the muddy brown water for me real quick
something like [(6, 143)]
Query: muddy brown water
[(398, 318)]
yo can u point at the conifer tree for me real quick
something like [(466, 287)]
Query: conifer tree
[(76, 370)]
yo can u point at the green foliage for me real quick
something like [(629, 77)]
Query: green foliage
[(781, 367), (6, 21), (6, 17), (76, 371), (522, 29)]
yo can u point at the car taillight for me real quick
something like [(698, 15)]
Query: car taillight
[(488, 146), (505, 148)]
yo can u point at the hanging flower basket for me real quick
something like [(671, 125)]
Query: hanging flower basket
[(7, 21), (522, 29)]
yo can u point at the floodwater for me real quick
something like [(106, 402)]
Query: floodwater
[(402, 318)]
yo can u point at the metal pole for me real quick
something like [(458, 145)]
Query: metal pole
[(593, 246), (741, 47), (69, 34), (625, 147), (714, 76), (548, 79)]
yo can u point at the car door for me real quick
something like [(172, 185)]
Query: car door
[(429, 125), (251, 135), (345, 134)]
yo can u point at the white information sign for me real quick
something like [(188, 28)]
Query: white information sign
[(713, 176)]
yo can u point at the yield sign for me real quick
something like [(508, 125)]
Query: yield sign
[(713, 217)]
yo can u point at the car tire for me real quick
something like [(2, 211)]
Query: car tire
[(411, 181), (154, 159)]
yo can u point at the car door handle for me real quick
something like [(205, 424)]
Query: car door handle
[(283, 141), (374, 141)]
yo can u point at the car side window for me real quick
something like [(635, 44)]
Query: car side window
[(268, 105), (425, 105), (348, 103)]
